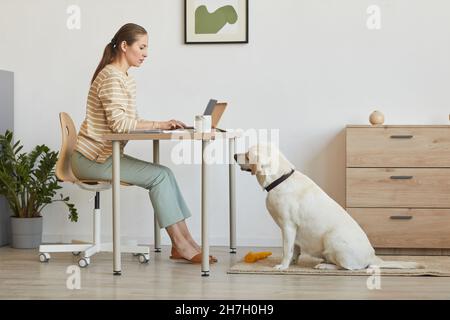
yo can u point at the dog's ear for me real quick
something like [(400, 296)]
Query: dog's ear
[(262, 165), (252, 156), (254, 168), (260, 159)]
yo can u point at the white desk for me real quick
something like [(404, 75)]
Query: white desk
[(206, 139)]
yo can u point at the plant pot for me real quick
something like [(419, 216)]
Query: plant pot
[(26, 233)]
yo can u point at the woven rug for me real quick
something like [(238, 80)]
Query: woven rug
[(434, 266)]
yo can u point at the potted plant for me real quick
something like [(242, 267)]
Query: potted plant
[(29, 184)]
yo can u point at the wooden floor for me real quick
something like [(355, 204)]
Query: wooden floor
[(22, 276)]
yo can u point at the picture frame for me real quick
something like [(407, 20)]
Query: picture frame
[(216, 21)]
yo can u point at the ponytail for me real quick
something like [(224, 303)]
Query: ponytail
[(108, 56), (127, 33)]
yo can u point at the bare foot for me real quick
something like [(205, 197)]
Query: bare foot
[(199, 249), (195, 245), (186, 250)]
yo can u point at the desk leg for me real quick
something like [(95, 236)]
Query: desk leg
[(156, 228), (117, 268), (232, 196), (205, 198)]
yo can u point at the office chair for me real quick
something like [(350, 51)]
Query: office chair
[(64, 173)]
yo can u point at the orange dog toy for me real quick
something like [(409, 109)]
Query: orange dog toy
[(255, 256)]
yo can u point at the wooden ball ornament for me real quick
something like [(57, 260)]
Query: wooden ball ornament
[(376, 118)]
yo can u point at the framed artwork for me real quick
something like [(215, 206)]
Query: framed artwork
[(216, 21)]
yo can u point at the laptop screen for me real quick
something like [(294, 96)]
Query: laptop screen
[(210, 107)]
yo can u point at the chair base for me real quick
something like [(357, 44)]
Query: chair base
[(90, 249)]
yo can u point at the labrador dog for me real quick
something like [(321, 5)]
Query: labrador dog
[(311, 222)]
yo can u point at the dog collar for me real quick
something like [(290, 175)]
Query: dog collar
[(279, 180)]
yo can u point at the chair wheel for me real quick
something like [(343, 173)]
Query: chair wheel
[(76, 253), (84, 262), (44, 257), (144, 258)]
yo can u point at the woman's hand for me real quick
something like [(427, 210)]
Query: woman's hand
[(171, 124)]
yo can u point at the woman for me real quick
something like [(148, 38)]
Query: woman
[(111, 108)]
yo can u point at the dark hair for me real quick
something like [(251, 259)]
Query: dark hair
[(127, 33)]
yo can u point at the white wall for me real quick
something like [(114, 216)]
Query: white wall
[(310, 68)]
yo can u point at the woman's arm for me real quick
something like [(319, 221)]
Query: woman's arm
[(147, 125), (165, 125), (113, 96)]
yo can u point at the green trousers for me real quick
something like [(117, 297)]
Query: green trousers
[(165, 195)]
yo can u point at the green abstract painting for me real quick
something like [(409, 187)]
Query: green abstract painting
[(212, 22), (216, 21)]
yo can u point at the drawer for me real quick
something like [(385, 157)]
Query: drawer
[(398, 187), (404, 228), (398, 147)]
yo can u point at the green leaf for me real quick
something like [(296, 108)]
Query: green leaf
[(28, 180)]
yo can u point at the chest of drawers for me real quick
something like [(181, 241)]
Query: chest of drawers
[(398, 184)]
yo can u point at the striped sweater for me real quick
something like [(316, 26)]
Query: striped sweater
[(111, 108)]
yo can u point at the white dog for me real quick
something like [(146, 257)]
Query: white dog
[(311, 222)]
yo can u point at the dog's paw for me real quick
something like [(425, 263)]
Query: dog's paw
[(326, 266), (281, 267)]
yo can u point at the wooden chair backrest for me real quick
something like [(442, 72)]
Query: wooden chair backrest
[(69, 139)]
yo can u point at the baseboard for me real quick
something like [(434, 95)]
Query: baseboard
[(412, 252)]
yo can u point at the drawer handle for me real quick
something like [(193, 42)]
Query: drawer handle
[(401, 217), (401, 177), (402, 136)]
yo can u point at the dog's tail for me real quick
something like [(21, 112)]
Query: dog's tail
[(396, 264)]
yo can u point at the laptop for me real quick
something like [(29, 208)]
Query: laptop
[(213, 108)]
